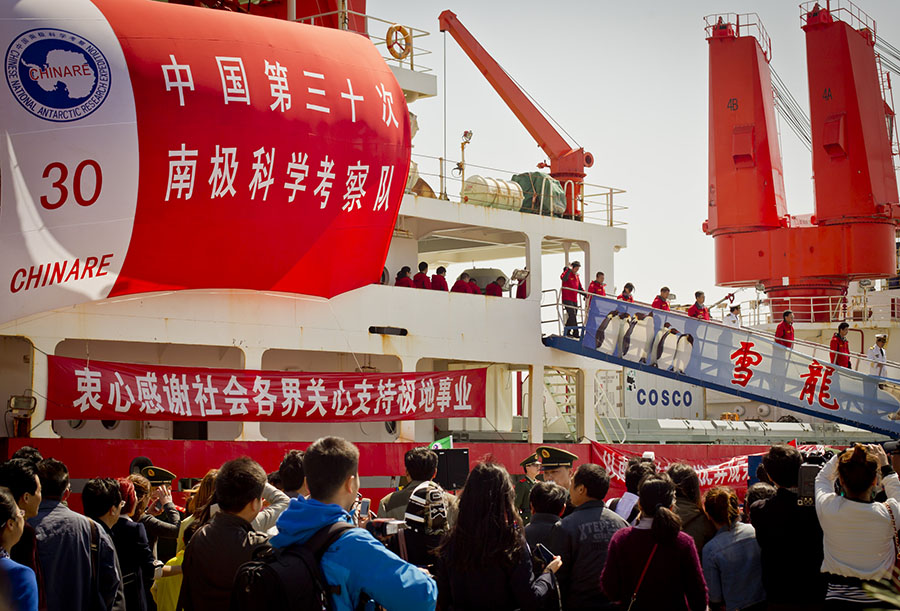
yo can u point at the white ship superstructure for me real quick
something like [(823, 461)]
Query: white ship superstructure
[(535, 393)]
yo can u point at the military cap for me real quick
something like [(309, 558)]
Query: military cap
[(157, 475), (530, 460), (552, 458)]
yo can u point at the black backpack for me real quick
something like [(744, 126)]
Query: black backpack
[(289, 578)]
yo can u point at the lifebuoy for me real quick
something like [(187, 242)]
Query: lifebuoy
[(399, 46)]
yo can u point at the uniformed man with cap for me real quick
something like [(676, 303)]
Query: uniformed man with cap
[(524, 485), (162, 519), (876, 355), (557, 467)]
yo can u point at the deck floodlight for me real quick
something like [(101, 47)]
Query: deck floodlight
[(21, 404)]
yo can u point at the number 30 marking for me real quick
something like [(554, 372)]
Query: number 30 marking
[(59, 184)]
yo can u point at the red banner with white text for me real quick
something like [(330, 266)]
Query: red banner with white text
[(96, 390), (731, 472)]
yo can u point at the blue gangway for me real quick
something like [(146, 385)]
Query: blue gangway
[(737, 361)]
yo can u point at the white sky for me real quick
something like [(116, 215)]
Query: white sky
[(629, 81)]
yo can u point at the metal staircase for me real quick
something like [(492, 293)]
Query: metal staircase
[(561, 386)]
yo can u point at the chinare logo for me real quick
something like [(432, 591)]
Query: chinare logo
[(57, 75)]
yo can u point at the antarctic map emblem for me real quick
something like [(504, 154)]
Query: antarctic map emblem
[(56, 75)]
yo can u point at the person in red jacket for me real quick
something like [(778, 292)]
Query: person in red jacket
[(627, 293), (473, 287), (439, 280), (784, 333), (840, 347), (462, 284), (522, 289), (495, 288), (571, 284), (698, 310), (661, 302), (403, 278), (421, 280), (598, 286)]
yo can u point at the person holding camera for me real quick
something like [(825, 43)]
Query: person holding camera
[(789, 537), (860, 535), (485, 563)]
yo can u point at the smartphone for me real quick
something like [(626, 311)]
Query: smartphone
[(546, 554), (364, 507)]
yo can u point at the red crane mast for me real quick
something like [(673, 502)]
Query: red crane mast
[(851, 234), (567, 164)]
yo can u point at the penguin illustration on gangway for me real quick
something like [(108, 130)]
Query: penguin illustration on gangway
[(683, 351), (608, 333), (638, 337), (666, 349)]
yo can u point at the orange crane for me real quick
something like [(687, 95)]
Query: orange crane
[(566, 163)]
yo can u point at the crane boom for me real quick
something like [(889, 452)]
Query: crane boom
[(566, 164)]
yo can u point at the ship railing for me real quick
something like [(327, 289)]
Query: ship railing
[(598, 204), (376, 29), (870, 307), (744, 24), (551, 300), (841, 10)]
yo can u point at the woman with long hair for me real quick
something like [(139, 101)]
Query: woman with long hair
[(485, 562), (654, 565), (731, 560), (860, 535), (21, 585), (196, 503), (403, 278)]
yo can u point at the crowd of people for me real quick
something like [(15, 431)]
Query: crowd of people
[(499, 544), (464, 284)]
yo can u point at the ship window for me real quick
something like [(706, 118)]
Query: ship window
[(391, 427), (109, 424), (389, 331), (189, 429), (76, 424)]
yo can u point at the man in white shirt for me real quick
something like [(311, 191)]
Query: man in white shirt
[(876, 356), (733, 318)]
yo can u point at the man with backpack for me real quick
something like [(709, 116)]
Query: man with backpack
[(421, 466), (355, 567), (219, 548)]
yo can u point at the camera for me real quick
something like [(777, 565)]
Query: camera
[(382, 528), (891, 447), (806, 478)]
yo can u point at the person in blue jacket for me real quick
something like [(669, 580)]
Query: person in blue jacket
[(357, 562), (20, 580)]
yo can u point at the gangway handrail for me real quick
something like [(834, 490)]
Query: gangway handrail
[(813, 346)]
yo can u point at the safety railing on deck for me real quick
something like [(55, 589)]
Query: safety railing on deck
[(741, 24), (377, 30), (869, 307), (597, 202), (551, 302), (841, 10)]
